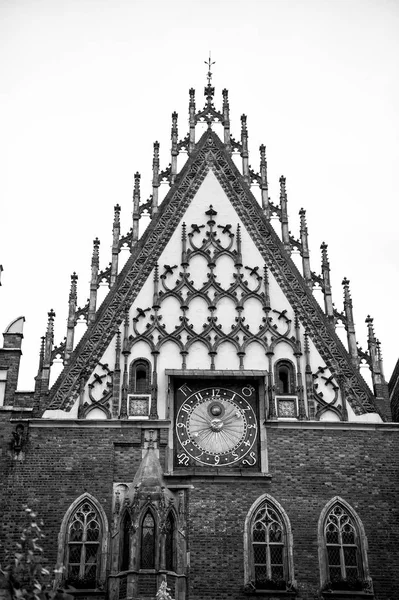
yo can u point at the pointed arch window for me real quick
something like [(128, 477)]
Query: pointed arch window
[(342, 545), (125, 542), (83, 543), (268, 546), (139, 379), (147, 559), (170, 543)]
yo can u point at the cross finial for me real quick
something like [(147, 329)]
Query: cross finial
[(209, 63)]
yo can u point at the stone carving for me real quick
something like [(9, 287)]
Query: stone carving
[(18, 442)]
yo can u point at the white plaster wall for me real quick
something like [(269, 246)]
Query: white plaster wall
[(211, 193)]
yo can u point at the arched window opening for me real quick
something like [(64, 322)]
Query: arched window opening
[(125, 545), (341, 544), (342, 548), (285, 377), (83, 546), (170, 543), (268, 555), (148, 542), (139, 379), (268, 545)]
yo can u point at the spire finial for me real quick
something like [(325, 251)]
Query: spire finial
[(209, 90), (209, 63)]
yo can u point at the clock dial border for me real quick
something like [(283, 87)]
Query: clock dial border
[(237, 424)]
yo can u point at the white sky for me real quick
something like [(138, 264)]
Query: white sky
[(88, 86)]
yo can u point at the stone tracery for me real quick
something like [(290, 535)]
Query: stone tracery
[(217, 241)]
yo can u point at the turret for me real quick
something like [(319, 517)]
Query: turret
[(10, 357)]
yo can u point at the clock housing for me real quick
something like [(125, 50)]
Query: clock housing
[(216, 424)]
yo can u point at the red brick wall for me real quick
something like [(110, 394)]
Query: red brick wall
[(308, 468)]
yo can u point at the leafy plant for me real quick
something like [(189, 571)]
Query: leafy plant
[(266, 583), (270, 584), (350, 584), (82, 582), (25, 576)]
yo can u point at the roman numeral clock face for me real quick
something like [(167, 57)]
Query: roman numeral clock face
[(216, 426)]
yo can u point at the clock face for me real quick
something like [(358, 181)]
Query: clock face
[(216, 426)]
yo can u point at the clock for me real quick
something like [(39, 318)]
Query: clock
[(216, 425)]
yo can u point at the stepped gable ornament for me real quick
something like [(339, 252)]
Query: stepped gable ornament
[(210, 153)]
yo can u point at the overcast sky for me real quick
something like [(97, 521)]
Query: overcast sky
[(88, 86)]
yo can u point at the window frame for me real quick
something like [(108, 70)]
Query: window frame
[(288, 561), (361, 542), (134, 367), (63, 540), (285, 362)]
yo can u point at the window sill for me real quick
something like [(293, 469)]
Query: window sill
[(271, 594), (84, 592), (347, 595)]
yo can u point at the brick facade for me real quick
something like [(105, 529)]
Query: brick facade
[(308, 466)]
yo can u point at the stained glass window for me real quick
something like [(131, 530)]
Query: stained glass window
[(148, 542), (170, 543), (268, 544), (342, 545), (84, 533)]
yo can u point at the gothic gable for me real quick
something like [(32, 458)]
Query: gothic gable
[(223, 239)]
